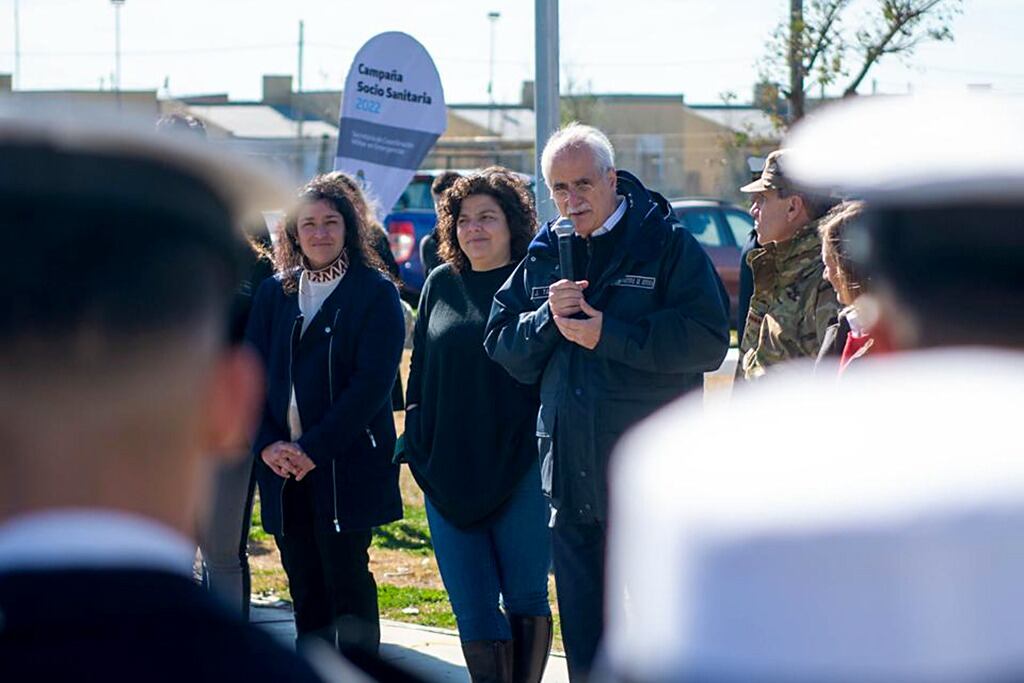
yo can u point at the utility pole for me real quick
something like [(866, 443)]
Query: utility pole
[(298, 98), (17, 47), (796, 60), (493, 18), (546, 104), (118, 4)]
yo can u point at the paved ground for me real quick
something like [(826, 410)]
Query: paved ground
[(432, 653)]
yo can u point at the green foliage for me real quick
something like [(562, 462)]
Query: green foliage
[(430, 604), (256, 532), (410, 534)]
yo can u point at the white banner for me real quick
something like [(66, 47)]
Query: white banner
[(392, 112)]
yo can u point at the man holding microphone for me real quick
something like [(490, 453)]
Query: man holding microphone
[(625, 325)]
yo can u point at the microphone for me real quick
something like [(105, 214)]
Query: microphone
[(564, 230)]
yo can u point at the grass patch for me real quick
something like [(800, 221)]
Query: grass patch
[(256, 532), (410, 534), (431, 605), (270, 582)]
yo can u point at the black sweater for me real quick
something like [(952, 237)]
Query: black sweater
[(470, 440)]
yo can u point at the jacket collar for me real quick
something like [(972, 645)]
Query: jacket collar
[(792, 256), (647, 223), (347, 290)]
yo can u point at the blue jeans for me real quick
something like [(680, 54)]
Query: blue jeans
[(509, 558)]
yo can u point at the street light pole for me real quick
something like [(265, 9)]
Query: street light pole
[(546, 99), (17, 47), (493, 17), (117, 44)]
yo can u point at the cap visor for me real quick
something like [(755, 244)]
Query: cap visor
[(756, 186)]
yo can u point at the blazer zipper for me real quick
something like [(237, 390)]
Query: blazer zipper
[(330, 383)]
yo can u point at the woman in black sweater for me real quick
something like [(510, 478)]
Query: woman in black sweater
[(329, 329), (469, 436)]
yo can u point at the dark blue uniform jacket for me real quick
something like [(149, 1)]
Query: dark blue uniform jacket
[(665, 324)]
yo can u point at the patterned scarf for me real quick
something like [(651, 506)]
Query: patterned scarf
[(328, 273)]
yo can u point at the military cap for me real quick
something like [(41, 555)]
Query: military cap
[(772, 175), (98, 155), (94, 202)]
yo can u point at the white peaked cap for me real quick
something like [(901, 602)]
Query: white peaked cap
[(934, 149), (768, 541)]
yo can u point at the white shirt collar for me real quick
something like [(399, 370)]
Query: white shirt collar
[(612, 220), (92, 538)]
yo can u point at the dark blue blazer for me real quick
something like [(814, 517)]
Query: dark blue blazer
[(130, 625), (343, 369)]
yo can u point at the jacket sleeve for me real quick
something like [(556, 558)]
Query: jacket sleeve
[(690, 334), (413, 392), (378, 350), (258, 334), (519, 338)]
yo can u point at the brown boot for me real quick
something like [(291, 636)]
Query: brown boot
[(489, 661), (531, 643)]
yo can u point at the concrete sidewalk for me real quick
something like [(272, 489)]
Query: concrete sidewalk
[(433, 653)]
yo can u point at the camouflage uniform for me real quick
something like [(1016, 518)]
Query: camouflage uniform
[(792, 304)]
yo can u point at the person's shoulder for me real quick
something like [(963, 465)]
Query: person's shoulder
[(444, 273), (120, 621), (270, 286)]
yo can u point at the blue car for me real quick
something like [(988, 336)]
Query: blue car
[(412, 219)]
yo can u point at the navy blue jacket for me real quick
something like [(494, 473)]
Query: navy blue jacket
[(746, 285), (343, 369), (665, 324)]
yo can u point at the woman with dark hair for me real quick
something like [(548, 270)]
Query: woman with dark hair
[(849, 337), (469, 436), (329, 329)]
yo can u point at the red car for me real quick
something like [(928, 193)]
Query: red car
[(722, 229)]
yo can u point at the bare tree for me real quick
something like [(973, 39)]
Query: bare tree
[(812, 49), (578, 102)]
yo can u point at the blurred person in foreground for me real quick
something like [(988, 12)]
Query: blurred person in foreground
[(894, 554), (429, 256), (636, 326), (329, 330), (120, 393), (469, 437), (791, 305), (224, 533), (849, 338)]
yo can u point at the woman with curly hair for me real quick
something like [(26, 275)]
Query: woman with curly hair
[(330, 331), (469, 436)]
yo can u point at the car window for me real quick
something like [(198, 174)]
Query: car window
[(740, 224), (701, 224), (416, 197)]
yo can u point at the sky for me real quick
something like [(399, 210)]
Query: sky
[(697, 48)]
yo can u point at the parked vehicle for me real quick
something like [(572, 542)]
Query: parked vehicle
[(722, 229), (411, 220)]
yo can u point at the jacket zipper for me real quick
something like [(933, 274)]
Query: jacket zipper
[(291, 388), (330, 382)]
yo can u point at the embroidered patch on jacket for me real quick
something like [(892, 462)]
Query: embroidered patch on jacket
[(635, 281), (539, 293)]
